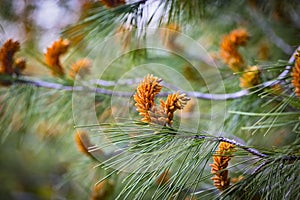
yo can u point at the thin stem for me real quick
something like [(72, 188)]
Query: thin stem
[(198, 95), (250, 150), (286, 71), (283, 158), (58, 86), (261, 166), (240, 145), (264, 26)]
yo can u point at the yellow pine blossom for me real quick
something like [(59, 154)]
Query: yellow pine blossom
[(250, 78), (7, 52), (145, 95), (221, 159), (145, 105), (112, 3), (229, 48), (296, 74), (53, 53), (81, 67), (174, 102)]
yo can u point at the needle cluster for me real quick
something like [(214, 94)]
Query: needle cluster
[(145, 102)]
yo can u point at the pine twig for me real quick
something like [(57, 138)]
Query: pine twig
[(198, 95), (250, 150), (58, 86), (286, 71), (279, 42), (288, 158), (240, 145)]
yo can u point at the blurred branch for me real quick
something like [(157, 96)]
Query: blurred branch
[(283, 74), (58, 86), (198, 95), (288, 158), (249, 149), (264, 26), (240, 145)]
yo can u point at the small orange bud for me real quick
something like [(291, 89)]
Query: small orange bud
[(81, 67), (221, 159), (250, 78), (53, 54), (7, 53), (229, 48)]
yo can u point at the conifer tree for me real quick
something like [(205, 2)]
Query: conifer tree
[(151, 99)]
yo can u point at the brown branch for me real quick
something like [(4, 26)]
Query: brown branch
[(264, 26), (58, 86), (198, 95)]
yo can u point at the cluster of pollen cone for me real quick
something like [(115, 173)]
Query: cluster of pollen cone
[(8, 64), (218, 168), (145, 102), (229, 48), (163, 115)]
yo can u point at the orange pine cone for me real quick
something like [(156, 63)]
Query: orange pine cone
[(81, 67), (229, 48), (144, 97), (239, 37), (250, 77), (145, 105), (52, 55), (174, 102), (157, 116), (7, 52), (221, 159)]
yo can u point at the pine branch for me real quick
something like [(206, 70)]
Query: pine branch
[(283, 74), (288, 158), (198, 95), (240, 145), (264, 26), (173, 132), (58, 86), (250, 150)]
